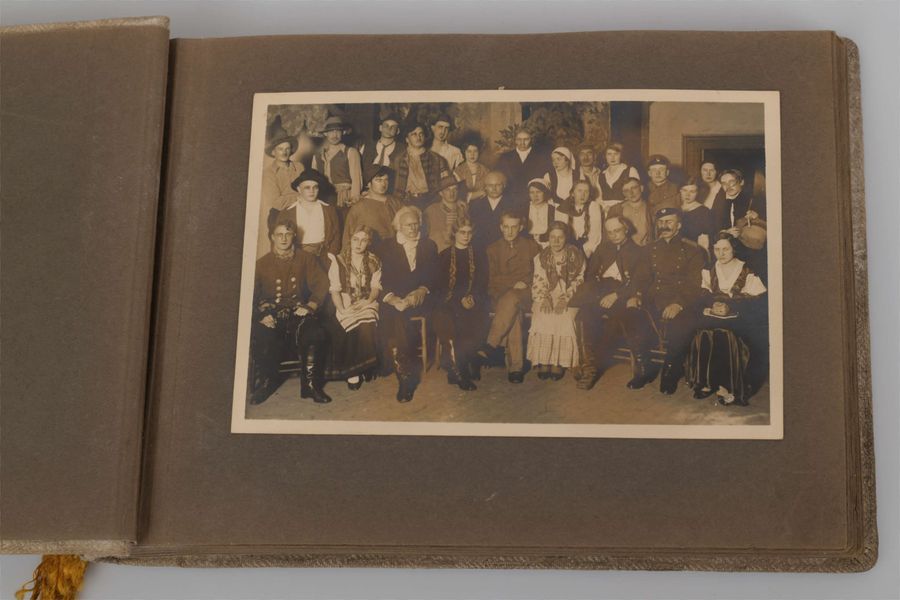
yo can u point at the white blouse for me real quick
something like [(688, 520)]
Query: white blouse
[(727, 274)]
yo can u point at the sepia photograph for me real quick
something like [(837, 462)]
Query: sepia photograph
[(567, 263)]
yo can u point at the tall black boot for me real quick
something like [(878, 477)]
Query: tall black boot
[(405, 387), (312, 379), (589, 372), (642, 372), (456, 375)]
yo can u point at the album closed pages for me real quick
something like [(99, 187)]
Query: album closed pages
[(451, 302)]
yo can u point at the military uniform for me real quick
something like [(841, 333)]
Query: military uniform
[(676, 266), (280, 286)]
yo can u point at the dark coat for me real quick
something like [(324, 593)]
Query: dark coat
[(487, 221), (676, 267), (435, 168), (509, 264), (283, 284), (519, 173), (634, 267), (396, 278)]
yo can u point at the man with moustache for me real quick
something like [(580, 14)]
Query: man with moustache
[(617, 274), (674, 288)]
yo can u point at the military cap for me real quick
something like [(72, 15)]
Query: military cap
[(666, 211), (657, 159)]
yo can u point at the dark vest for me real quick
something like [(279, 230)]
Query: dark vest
[(614, 191)]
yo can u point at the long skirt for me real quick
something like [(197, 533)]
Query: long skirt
[(552, 339), (353, 342), (718, 358)]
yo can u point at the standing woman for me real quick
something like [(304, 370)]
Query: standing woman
[(558, 271), (696, 219), (355, 282), (583, 216), (541, 211), (562, 176), (471, 171), (340, 163), (729, 353), (461, 315), (614, 176)]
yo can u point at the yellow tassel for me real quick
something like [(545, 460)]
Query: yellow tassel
[(58, 577)]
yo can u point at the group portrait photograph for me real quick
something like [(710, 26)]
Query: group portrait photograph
[(597, 263)]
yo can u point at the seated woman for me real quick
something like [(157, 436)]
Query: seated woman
[(558, 271), (541, 211), (696, 219), (729, 352), (471, 171), (562, 176), (583, 216), (461, 314), (355, 277), (289, 287)]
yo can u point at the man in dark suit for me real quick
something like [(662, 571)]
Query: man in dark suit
[(522, 164), (409, 267), (617, 273), (486, 211), (670, 298)]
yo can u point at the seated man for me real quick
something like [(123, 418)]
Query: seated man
[(409, 265), (676, 265), (288, 290), (510, 272), (617, 273)]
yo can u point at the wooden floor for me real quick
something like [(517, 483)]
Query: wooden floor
[(498, 401)]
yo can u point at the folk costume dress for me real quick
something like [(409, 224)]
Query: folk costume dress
[(352, 330), (552, 339), (723, 347)]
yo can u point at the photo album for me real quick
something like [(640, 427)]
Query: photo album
[(436, 301)]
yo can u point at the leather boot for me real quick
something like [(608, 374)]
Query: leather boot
[(642, 373), (404, 389), (455, 375), (668, 382), (312, 380)]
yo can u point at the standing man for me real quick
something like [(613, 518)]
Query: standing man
[(409, 267), (522, 164), (440, 131), (510, 274), (634, 208), (318, 226), (675, 266), (277, 176), (486, 212), (617, 274), (419, 170), (441, 217), (386, 147), (375, 209), (663, 193), (588, 170)]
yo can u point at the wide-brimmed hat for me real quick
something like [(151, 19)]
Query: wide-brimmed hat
[(334, 123), (448, 181), (276, 134)]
